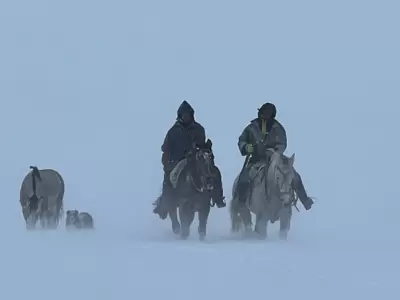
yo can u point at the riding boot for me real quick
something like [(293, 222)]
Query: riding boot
[(243, 185), (298, 186), (162, 203)]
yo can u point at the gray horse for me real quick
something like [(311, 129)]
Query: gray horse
[(41, 198), (270, 197), (192, 179)]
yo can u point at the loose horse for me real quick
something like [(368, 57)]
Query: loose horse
[(270, 197), (192, 179), (41, 198)]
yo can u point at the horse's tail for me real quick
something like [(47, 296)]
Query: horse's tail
[(35, 174)]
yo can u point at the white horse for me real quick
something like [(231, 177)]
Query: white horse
[(270, 196)]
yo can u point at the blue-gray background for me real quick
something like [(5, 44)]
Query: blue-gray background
[(91, 87)]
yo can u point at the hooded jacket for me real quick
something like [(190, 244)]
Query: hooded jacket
[(272, 135), (182, 138)]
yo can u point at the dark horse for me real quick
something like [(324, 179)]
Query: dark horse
[(41, 198), (193, 182)]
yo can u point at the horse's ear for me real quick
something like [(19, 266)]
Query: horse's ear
[(291, 160)]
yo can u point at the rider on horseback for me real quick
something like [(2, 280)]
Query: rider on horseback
[(263, 133), (179, 141)]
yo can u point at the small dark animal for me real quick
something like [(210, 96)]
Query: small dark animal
[(78, 220)]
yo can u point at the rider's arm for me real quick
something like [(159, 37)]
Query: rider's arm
[(200, 136), (243, 141), (281, 139), (165, 148)]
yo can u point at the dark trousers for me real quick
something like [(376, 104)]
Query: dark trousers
[(218, 191), (298, 186)]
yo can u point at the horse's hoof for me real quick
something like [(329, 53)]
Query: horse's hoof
[(260, 235), (248, 234), (184, 233), (202, 236), (235, 228), (30, 227), (283, 235), (184, 237), (176, 229)]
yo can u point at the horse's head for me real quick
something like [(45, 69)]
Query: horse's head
[(284, 174), (203, 169)]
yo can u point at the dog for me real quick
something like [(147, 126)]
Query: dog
[(78, 220)]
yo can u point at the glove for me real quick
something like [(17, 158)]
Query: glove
[(249, 148), (208, 144)]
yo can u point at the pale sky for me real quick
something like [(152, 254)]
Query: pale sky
[(90, 88)]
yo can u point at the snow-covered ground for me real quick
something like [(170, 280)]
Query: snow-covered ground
[(122, 263), (90, 88)]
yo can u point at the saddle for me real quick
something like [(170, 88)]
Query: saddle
[(250, 175), (255, 170), (261, 165)]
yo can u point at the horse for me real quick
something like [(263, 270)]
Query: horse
[(270, 197), (41, 198), (192, 180)]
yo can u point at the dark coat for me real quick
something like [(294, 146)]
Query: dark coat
[(275, 138), (182, 138)]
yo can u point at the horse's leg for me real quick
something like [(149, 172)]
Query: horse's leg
[(52, 214), (31, 221), (44, 219), (46, 214), (203, 218), (245, 216), (42, 213), (284, 221), (173, 215), (261, 226), (186, 215)]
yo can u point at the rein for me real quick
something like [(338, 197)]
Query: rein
[(197, 188)]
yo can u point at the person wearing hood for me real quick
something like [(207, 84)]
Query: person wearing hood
[(262, 133), (178, 142)]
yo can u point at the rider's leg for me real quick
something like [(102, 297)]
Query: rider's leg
[(165, 198), (243, 184), (298, 186), (218, 192)]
